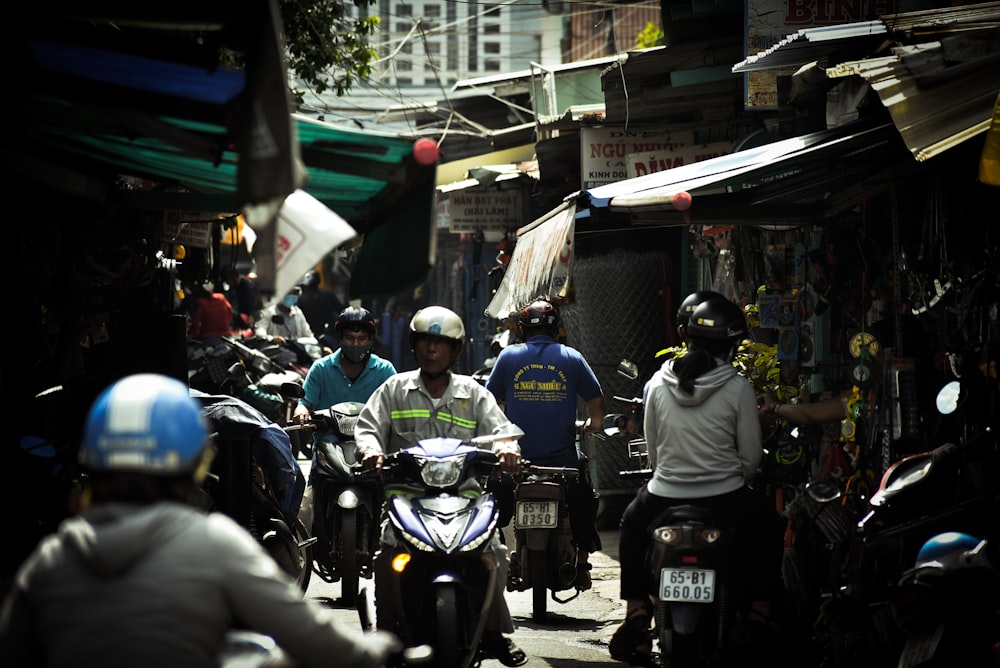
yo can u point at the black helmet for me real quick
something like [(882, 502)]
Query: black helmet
[(691, 302), (717, 320), (539, 314), (312, 279), (354, 317)]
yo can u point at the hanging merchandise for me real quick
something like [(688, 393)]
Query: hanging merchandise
[(863, 347)]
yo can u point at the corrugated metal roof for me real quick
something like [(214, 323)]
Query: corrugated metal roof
[(931, 118), (855, 40), (811, 44)]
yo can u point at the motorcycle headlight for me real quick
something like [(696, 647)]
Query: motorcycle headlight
[(442, 472)]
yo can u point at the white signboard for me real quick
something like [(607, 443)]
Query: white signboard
[(770, 21), (605, 151), (496, 211), (193, 235)]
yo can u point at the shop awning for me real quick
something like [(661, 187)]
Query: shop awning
[(802, 179), (100, 97)]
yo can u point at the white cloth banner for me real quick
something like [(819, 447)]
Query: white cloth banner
[(306, 231), (541, 264)]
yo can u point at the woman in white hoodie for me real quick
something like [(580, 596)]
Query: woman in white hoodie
[(704, 442)]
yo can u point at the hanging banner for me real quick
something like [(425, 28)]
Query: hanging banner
[(306, 230), (541, 264)]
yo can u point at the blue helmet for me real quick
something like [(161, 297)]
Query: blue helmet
[(946, 544), (145, 423)]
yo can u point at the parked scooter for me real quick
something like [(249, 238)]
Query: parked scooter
[(545, 559), (256, 480), (949, 488), (442, 521), (947, 604), (347, 500), (264, 363)]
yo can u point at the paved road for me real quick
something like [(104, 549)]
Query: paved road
[(576, 633)]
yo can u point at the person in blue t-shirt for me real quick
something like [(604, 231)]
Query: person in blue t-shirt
[(538, 382)]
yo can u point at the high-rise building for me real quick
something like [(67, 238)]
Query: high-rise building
[(435, 43)]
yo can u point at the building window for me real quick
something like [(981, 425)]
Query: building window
[(404, 66), (473, 56), (404, 10), (404, 81), (491, 64), (491, 47), (432, 11), (433, 47), (406, 48), (491, 11), (491, 29)]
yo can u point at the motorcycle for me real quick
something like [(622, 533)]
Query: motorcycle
[(545, 559), (692, 566), (442, 520), (255, 480), (265, 364), (347, 500), (947, 604), (948, 488)]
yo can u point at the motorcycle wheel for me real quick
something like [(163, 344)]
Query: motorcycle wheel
[(447, 652), (539, 592), (349, 556), (678, 650), (305, 555)]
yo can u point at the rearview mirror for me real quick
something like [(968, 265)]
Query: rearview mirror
[(947, 398), (628, 369)]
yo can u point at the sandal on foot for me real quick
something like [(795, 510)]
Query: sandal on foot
[(503, 650), (632, 642)]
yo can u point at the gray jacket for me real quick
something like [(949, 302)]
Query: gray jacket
[(702, 444), (160, 585)]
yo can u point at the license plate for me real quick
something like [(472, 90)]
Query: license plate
[(537, 514), (691, 585)]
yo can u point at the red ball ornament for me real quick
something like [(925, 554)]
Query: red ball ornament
[(425, 151), (682, 201)]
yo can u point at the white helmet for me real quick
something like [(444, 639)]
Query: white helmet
[(438, 321)]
